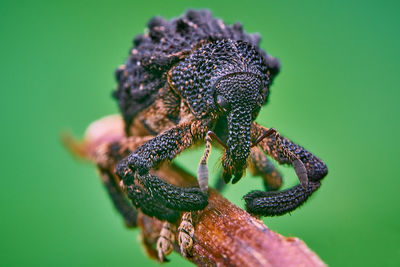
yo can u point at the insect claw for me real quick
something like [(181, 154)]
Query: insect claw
[(164, 242), (226, 176), (301, 172), (237, 177), (186, 235)]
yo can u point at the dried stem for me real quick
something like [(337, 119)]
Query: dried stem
[(225, 235)]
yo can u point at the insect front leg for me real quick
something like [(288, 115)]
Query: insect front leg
[(284, 152), (134, 172), (106, 157)]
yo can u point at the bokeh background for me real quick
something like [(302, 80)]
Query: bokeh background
[(337, 95)]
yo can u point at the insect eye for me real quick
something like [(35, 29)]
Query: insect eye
[(222, 103)]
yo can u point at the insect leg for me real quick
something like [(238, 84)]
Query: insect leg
[(283, 151), (149, 205), (107, 157), (165, 146), (262, 166), (202, 171), (164, 241), (297, 164), (186, 234), (173, 197), (152, 153)]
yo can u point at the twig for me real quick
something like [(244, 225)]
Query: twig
[(225, 235)]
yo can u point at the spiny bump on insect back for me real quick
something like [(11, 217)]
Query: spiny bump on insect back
[(169, 42)]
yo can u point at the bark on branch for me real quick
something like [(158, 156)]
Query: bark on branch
[(225, 235)]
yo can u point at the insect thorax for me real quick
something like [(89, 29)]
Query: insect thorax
[(196, 76)]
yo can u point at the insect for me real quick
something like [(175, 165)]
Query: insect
[(196, 80)]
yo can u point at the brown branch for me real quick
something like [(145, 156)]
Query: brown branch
[(225, 235)]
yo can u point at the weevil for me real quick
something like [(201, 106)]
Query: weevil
[(197, 80)]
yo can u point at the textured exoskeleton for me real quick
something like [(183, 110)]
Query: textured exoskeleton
[(196, 79)]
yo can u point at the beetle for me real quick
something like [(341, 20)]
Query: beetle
[(193, 80)]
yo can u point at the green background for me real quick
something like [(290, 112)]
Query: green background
[(337, 95)]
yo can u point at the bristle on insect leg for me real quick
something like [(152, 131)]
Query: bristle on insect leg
[(202, 171), (164, 241)]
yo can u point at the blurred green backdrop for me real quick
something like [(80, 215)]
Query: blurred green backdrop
[(337, 95)]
